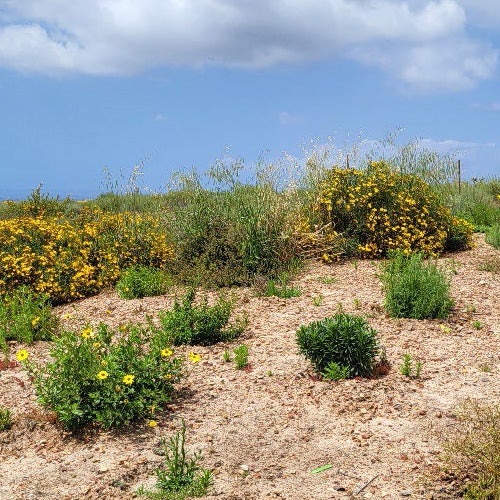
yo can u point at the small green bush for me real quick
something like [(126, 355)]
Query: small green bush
[(280, 288), (5, 419), (241, 356), (140, 281), (334, 371), (344, 339), (199, 324), (182, 476), (415, 289), (493, 236), (25, 317), (106, 377)]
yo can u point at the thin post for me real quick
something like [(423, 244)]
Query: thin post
[(459, 176), (347, 161)]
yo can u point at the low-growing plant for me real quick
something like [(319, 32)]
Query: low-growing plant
[(472, 449), (493, 236), (181, 476), (345, 339), (334, 371), (327, 280), (414, 288), (105, 376), (477, 324), (408, 369), (25, 317), (137, 282), (200, 324), (5, 419), (317, 300), (491, 265), (241, 356), (281, 288), (226, 356)]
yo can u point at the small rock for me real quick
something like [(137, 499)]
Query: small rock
[(405, 493)]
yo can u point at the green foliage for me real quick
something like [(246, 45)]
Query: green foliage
[(493, 236), (140, 281), (472, 449), (407, 369), (5, 419), (414, 288), (334, 371), (241, 356), (226, 356), (199, 324), (182, 476), (491, 265), (280, 288), (25, 317), (344, 339), (106, 377)]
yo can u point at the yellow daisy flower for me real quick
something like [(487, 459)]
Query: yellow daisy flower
[(166, 353), (128, 379), (102, 375), (193, 357), (22, 355)]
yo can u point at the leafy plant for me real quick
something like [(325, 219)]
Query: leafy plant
[(344, 339), (226, 356), (414, 289), (25, 317), (241, 356), (317, 300), (493, 236), (199, 324), (105, 376), (5, 419), (141, 281), (334, 371), (327, 280), (182, 476), (280, 288), (477, 325), (472, 449), (407, 369), (491, 265)]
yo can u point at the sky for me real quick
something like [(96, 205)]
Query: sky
[(95, 86)]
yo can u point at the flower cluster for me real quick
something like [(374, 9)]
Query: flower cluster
[(370, 212), (69, 258)]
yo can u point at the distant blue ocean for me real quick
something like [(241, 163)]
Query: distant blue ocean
[(21, 194)]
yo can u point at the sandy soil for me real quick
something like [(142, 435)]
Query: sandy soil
[(264, 429)]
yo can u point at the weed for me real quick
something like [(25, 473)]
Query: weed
[(470, 308), (226, 356), (344, 339), (485, 367), (327, 280), (137, 282), (445, 328), (181, 476), (477, 325), (334, 371), (317, 300), (357, 303), (5, 419), (241, 356), (407, 369), (280, 288), (472, 448), (414, 289), (493, 236), (491, 265)]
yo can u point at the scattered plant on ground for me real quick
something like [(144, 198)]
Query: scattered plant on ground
[(200, 324), (226, 356), (181, 476), (472, 449), (317, 300), (327, 280), (5, 419), (408, 369), (137, 282), (491, 265), (279, 288), (241, 356), (334, 371), (414, 288), (25, 317), (477, 325), (493, 236), (105, 376), (345, 339)]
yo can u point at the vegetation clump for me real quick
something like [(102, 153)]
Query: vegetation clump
[(137, 282)]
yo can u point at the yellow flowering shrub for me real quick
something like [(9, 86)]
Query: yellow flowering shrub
[(367, 213), (69, 258)]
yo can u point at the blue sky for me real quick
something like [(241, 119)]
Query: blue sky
[(176, 84)]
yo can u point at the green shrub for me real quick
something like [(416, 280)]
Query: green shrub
[(5, 419), (199, 324), (137, 282), (493, 236), (241, 356), (472, 449), (280, 288), (334, 371), (25, 317), (106, 377), (415, 289), (344, 339), (182, 476)]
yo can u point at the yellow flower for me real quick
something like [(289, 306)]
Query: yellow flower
[(67, 316), (22, 355), (168, 376), (193, 357), (87, 333), (166, 353), (96, 345), (128, 379), (102, 375), (153, 423), (35, 321)]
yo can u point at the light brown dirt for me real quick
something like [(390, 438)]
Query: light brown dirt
[(264, 429)]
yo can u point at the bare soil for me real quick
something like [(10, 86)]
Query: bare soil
[(263, 430)]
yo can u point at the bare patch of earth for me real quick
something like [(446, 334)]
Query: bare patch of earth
[(264, 429)]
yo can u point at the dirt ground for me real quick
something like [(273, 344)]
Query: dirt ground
[(264, 429)]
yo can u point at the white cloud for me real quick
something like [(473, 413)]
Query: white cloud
[(159, 117), (286, 118), (424, 43)]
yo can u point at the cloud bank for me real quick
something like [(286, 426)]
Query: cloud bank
[(424, 44)]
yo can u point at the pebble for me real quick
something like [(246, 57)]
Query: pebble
[(405, 493)]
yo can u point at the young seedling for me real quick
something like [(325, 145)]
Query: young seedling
[(407, 368), (241, 356)]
